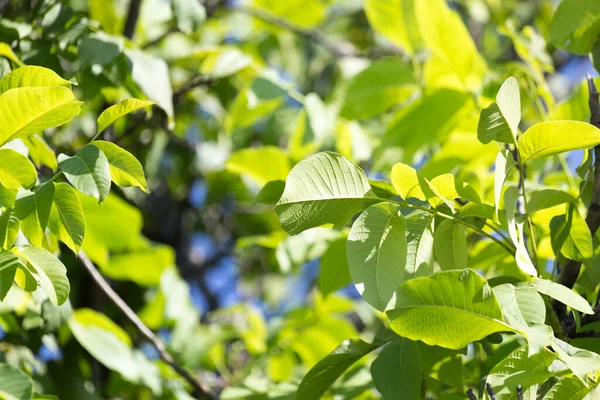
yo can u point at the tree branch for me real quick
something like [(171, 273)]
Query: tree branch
[(200, 389), (339, 49), (570, 272), (132, 17)]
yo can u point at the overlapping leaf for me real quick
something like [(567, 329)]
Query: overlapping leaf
[(125, 169), (88, 171)]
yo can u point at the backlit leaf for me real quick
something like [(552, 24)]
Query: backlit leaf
[(324, 188), (500, 121), (555, 137), (88, 171), (25, 111), (51, 273), (31, 76), (449, 309), (125, 169), (116, 111), (16, 171), (377, 253)]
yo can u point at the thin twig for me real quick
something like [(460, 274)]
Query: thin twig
[(132, 18), (339, 49), (200, 388)]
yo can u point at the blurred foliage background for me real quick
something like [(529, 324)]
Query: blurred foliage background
[(245, 90)]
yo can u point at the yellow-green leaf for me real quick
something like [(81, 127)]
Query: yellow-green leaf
[(6, 51), (31, 76), (555, 137), (33, 210), (395, 20), (114, 112), (125, 169), (16, 171), (25, 111)]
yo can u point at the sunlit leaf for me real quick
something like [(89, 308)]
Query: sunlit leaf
[(51, 273), (31, 76), (325, 372), (125, 169), (450, 244), (562, 294), (324, 188), (88, 171), (66, 218), (377, 253), (116, 111), (262, 165), (33, 211), (14, 384), (500, 121), (449, 309), (25, 111), (575, 25), (16, 171), (555, 137)]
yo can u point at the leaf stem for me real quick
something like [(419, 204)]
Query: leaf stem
[(433, 211)]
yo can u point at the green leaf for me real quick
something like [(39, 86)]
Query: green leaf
[(188, 14), (575, 26), (151, 74), (16, 171), (581, 362), (261, 164), (419, 249), (516, 230), (454, 59), (383, 84), (325, 372), (33, 211), (7, 197), (6, 51), (518, 368), (8, 269), (334, 271), (324, 188), (105, 341), (504, 164), (99, 48), (397, 370), (25, 111), (571, 236), (67, 221), (450, 245), (547, 198), (377, 253), (31, 76), (9, 228), (521, 304), (409, 183), (88, 171), (449, 309), (40, 153), (562, 294), (500, 120), (116, 111), (51, 273), (270, 193), (125, 169), (394, 19), (567, 388), (14, 384), (555, 137), (144, 266)]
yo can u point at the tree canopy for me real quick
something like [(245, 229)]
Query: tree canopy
[(299, 199)]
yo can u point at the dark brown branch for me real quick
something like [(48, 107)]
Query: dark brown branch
[(196, 81), (471, 395), (490, 391), (201, 390), (339, 49), (570, 271), (132, 18)]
